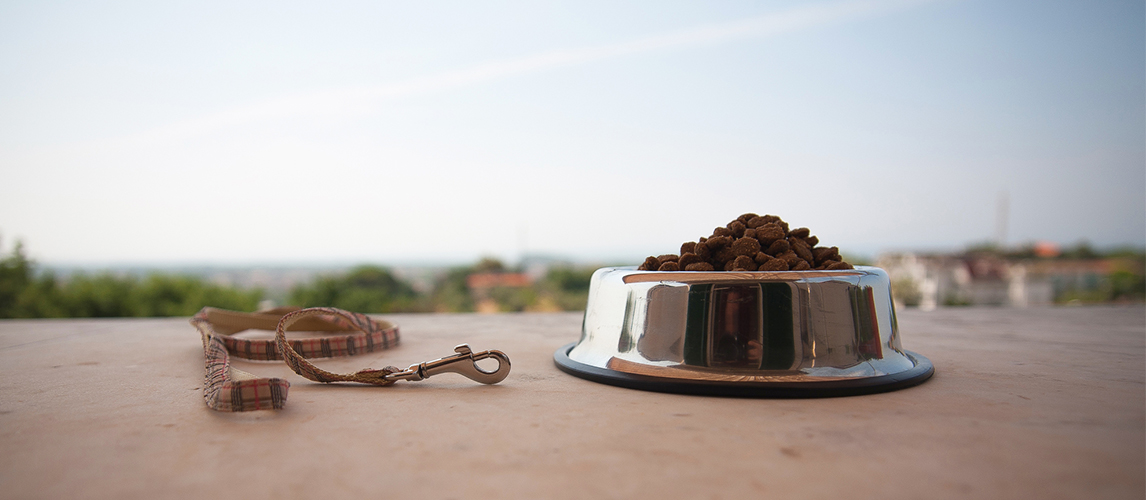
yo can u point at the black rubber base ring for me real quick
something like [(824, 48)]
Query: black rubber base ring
[(853, 387)]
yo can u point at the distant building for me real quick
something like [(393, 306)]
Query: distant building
[(932, 280), (483, 282)]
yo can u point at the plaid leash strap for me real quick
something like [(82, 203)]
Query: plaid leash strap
[(346, 333)]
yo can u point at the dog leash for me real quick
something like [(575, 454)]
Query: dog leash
[(345, 334)]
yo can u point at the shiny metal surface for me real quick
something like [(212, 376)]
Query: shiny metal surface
[(743, 328), (464, 362)]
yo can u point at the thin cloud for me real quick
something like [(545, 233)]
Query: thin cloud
[(364, 100)]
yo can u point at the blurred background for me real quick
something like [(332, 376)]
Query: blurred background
[(457, 156)]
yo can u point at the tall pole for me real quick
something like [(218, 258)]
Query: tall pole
[(1001, 216)]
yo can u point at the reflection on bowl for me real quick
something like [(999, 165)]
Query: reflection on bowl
[(782, 334)]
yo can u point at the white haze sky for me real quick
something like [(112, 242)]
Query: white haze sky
[(280, 132)]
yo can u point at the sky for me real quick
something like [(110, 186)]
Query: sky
[(386, 132)]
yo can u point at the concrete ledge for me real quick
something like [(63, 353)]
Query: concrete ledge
[(1035, 403)]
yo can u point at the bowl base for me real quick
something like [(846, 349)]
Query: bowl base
[(922, 371)]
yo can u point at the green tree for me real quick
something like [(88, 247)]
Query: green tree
[(489, 265), (22, 295), (166, 295), (42, 298), (15, 276), (568, 286), (101, 296), (1082, 250), (451, 293), (513, 299), (365, 289)]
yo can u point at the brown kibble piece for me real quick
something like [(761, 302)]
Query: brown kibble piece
[(827, 264), (744, 263), (769, 233), (749, 233), (822, 254), (724, 255), (737, 228), (721, 231), (801, 232), (746, 217), (802, 250), (702, 250), (790, 257), (773, 265), (687, 259), (778, 247), (668, 257), (669, 266), (762, 257), (688, 247), (650, 264), (718, 241), (840, 265), (746, 246), (700, 266), (755, 222), (812, 241), (801, 266)]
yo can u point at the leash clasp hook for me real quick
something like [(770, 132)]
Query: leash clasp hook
[(463, 362)]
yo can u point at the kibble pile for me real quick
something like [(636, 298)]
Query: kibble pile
[(751, 243)]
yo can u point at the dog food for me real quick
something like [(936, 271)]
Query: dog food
[(751, 243)]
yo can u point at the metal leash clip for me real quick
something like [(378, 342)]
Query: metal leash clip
[(464, 362)]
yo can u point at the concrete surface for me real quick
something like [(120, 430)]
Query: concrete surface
[(1036, 403)]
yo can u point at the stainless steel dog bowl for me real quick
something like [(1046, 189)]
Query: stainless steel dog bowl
[(764, 334)]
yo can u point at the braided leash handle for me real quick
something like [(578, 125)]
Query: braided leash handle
[(301, 366)]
